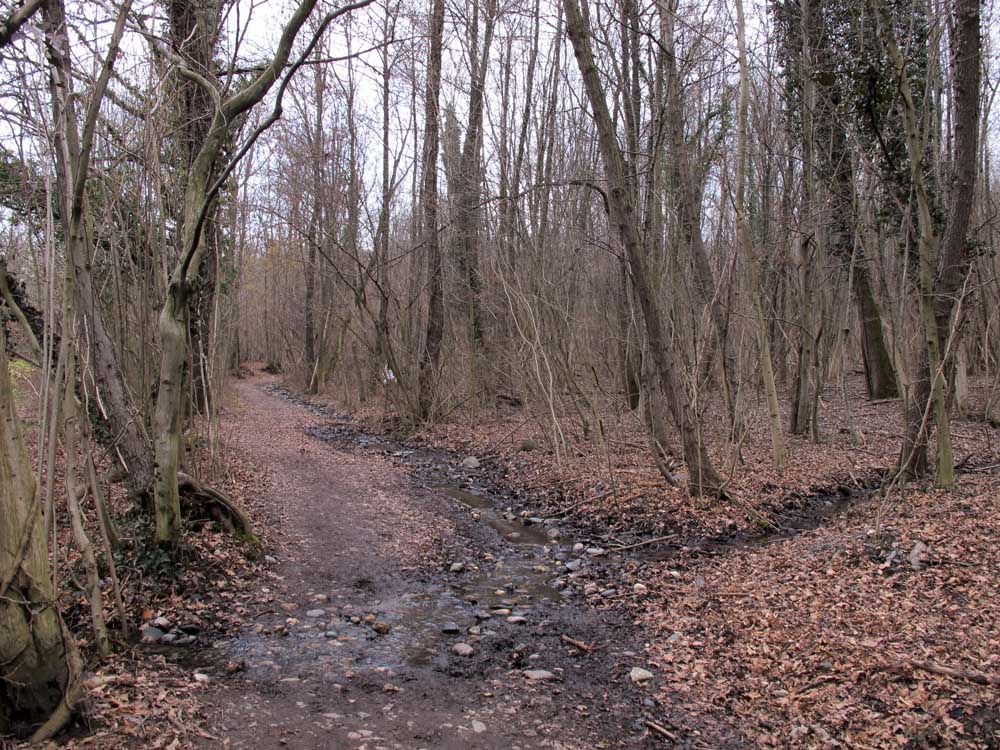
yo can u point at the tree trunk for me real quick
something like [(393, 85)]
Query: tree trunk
[(631, 358), (806, 374), (745, 239), (430, 360), (943, 267), (33, 655), (193, 31), (688, 188), (470, 177), (175, 314), (125, 434), (880, 375), (314, 239), (702, 477)]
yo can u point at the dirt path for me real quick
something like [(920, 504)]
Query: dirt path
[(385, 570)]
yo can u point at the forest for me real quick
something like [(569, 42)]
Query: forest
[(463, 374)]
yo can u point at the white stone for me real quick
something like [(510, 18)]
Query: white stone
[(539, 675), (638, 675)]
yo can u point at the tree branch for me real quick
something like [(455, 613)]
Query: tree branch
[(18, 17)]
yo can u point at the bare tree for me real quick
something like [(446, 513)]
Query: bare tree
[(204, 181), (702, 477), (944, 260), (430, 360)]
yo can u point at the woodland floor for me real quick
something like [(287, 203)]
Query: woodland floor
[(810, 612)]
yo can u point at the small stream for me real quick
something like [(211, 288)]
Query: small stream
[(521, 575)]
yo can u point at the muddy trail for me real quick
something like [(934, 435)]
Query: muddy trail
[(410, 606)]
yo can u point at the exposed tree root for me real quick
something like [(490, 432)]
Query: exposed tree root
[(54, 724), (980, 678), (225, 510)]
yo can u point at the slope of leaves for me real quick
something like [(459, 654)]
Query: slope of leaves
[(826, 639)]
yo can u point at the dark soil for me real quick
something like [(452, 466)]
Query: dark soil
[(396, 545)]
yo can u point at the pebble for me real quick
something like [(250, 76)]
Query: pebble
[(538, 675), (482, 615), (200, 677), (517, 620), (162, 623), (457, 567), (450, 628), (609, 592), (574, 565), (478, 727), (463, 649), (470, 462), (578, 547), (638, 675), (151, 634), (270, 559), (640, 588), (381, 627), (315, 613), (591, 588)]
